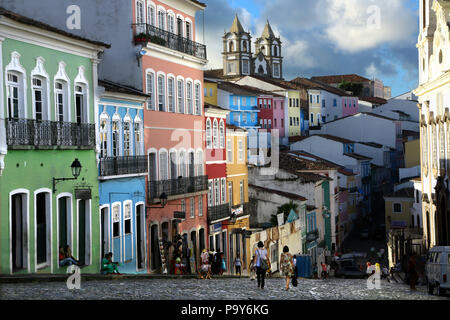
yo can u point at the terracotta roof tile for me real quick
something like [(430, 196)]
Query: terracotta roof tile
[(279, 192), (333, 79)]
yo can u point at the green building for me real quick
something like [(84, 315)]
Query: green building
[(48, 83)]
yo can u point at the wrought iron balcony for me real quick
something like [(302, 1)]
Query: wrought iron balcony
[(219, 212), (148, 33), (112, 166), (312, 235), (175, 187), (37, 133)]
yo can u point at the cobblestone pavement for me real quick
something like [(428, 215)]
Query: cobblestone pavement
[(215, 289)]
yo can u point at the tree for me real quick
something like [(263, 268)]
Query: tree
[(286, 209), (355, 88)]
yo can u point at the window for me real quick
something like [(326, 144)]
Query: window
[(188, 31), (334, 103), (397, 208), (222, 134), (276, 70), (171, 23), (241, 150), (171, 94), (245, 66), (282, 123), (210, 92), (210, 193), (151, 15), (127, 218), (183, 205), (297, 101), (198, 106), (173, 165), (275, 123), (115, 138), (229, 150), (270, 124), (161, 94), (126, 139), (208, 134), (241, 191), (318, 119), (103, 139), (223, 190), (215, 135), (60, 101), (310, 98), (150, 90), (182, 162), (137, 139), (80, 111), (205, 92), (312, 118), (199, 163), (216, 192), (191, 164), (290, 121), (231, 46), (189, 97), (265, 104), (253, 117), (140, 12), (230, 193), (13, 95), (163, 170), (116, 221), (161, 21), (180, 95), (38, 94), (192, 211), (200, 206), (270, 104)]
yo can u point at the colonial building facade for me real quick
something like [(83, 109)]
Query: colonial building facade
[(433, 92)]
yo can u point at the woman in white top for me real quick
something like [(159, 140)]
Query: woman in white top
[(260, 254)]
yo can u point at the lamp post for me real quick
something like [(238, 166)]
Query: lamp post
[(76, 170)]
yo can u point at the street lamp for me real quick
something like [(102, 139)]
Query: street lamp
[(76, 170), (162, 201)]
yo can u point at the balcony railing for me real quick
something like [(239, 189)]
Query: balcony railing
[(148, 33), (37, 133), (112, 166), (175, 187), (219, 212)]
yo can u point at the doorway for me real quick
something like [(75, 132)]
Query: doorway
[(104, 229), (43, 231), (19, 227), (155, 257), (84, 232), (140, 246)]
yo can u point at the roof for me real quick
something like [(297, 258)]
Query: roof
[(28, 21), (213, 73), (327, 163), (372, 144), (233, 127), (278, 192), (209, 105), (295, 164), (116, 87), (236, 27), (280, 83), (407, 133), (334, 138), (239, 90), (333, 79), (268, 32), (402, 193), (297, 138), (346, 172), (198, 3), (374, 100), (314, 84), (357, 156)]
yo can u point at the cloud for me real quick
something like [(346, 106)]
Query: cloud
[(323, 37)]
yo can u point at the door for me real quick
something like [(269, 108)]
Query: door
[(64, 217), (18, 232), (41, 228), (140, 246), (82, 232), (104, 231), (155, 257)]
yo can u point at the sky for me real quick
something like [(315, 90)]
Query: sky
[(372, 38)]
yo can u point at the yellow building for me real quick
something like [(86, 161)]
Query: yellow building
[(434, 85), (237, 191), (210, 93), (315, 108), (294, 118), (403, 231), (412, 153)]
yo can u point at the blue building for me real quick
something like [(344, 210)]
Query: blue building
[(312, 235), (122, 170)]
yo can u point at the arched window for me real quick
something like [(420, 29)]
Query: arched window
[(163, 170), (441, 147), (137, 138), (208, 134), (190, 106), (215, 135), (103, 137), (180, 94), (39, 98), (173, 165), (222, 134), (116, 138), (182, 162), (81, 112), (231, 46), (424, 147), (244, 46), (199, 163), (275, 51), (151, 90), (14, 96), (191, 164), (198, 106), (126, 138), (61, 101)]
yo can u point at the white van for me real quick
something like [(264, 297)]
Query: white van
[(438, 270)]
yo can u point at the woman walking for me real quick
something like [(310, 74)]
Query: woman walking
[(287, 265), (261, 263)]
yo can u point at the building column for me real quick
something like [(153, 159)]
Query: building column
[(97, 95), (3, 145)]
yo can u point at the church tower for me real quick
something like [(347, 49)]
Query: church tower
[(237, 51), (425, 41), (268, 61)]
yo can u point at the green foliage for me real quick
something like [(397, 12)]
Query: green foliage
[(356, 88), (285, 209)]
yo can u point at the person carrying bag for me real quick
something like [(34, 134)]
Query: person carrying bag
[(261, 263)]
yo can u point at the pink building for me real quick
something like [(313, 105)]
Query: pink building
[(350, 106), (177, 184)]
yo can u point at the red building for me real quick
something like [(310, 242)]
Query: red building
[(172, 64)]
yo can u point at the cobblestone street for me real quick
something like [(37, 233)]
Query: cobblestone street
[(215, 289)]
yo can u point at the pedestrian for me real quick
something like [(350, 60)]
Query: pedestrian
[(223, 264), (63, 261), (237, 265), (252, 269), (324, 271), (287, 265), (412, 271), (109, 267), (261, 264)]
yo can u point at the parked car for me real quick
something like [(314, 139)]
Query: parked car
[(437, 270)]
